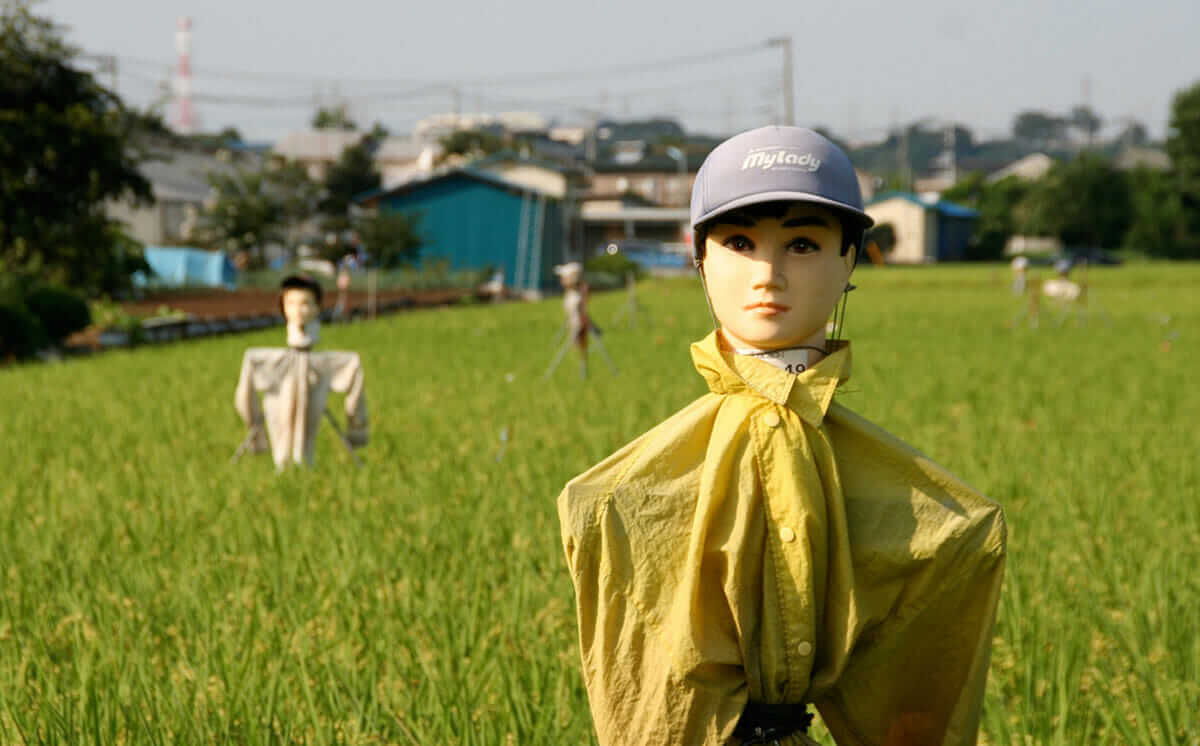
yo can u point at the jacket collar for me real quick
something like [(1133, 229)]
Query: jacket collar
[(808, 394)]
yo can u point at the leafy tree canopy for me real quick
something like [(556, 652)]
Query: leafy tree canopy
[(1085, 202), (1039, 128), (67, 146), (333, 118), (352, 174), (1183, 141), (251, 208), (470, 143)]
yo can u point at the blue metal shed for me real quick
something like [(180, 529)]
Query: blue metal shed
[(475, 220)]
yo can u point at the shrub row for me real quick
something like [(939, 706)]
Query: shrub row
[(38, 316)]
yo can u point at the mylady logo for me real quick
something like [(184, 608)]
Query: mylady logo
[(781, 157)]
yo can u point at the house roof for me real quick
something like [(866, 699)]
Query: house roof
[(375, 195), (1031, 167), (949, 209), (182, 176), (1134, 156), (316, 145), (607, 211), (396, 148)]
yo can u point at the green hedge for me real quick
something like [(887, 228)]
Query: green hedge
[(21, 334), (61, 311), (36, 316)]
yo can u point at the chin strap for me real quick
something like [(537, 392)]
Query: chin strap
[(707, 300), (839, 314)]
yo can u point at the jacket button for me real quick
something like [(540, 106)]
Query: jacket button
[(787, 534), (804, 648), (771, 419)]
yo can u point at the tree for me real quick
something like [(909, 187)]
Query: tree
[(390, 238), (252, 208), (1134, 133), (1000, 215), (1086, 121), (1159, 225), (470, 144), (1085, 203), (1178, 213), (1038, 128), (1183, 143), (333, 118), (352, 174), (67, 146)]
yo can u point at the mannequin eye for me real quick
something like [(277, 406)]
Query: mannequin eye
[(803, 246), (738, 243)]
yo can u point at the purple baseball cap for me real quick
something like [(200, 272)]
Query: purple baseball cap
[(775, 163)]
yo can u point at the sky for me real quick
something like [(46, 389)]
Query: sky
[(860, 68)]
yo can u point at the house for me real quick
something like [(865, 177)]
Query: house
[(1139, 156), (400, 159), (925, 230), (608, 220), (533, 173), (1030, 168), (474, 219), (316, 150), (655, 177), (179, 184)]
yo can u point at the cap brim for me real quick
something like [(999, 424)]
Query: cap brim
[(784, 196)]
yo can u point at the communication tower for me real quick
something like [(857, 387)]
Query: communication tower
[(185, 118)]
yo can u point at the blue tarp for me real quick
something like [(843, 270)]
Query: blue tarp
[(179, 267)]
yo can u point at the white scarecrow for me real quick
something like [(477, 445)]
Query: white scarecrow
[(295, 383), (578, 323)]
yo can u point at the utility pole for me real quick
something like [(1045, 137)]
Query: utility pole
[(789, 113), (951, 140), (1086, 90)]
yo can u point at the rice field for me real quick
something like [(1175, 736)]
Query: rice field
[(152, 592)]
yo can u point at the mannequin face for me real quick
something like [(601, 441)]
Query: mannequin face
[(774, 282), (299, 306)]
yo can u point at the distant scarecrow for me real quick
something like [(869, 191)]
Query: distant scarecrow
[(579, 324), (295, 383)]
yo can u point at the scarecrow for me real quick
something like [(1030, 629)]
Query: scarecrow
[(295, 383), (766, 549), (578, 323)]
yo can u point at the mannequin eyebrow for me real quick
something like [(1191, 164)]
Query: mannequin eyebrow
[(808, 220)]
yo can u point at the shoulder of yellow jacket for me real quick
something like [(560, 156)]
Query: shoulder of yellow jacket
[(873, 460), (585, 495)]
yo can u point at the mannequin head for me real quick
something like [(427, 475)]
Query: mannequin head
[(774, 272), (300, 302), (777, 222), (569, 274)]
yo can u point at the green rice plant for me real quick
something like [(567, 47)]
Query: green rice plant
[(153, 592)]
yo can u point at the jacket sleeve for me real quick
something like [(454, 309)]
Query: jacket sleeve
[(927, 553), (656, 673), (348, 379)]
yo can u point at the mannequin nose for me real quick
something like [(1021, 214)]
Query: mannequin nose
[(767, 275)]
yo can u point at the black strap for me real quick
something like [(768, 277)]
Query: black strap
[(762, 723)]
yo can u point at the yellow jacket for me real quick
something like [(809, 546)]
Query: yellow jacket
[(765, 543)]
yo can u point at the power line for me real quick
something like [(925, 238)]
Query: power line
[(500, 80)]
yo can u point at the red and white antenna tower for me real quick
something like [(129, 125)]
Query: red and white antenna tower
[(185, 118)]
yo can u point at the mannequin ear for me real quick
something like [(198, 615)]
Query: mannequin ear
[(850, 258)]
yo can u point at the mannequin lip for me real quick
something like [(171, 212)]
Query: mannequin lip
[(766, 308)]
